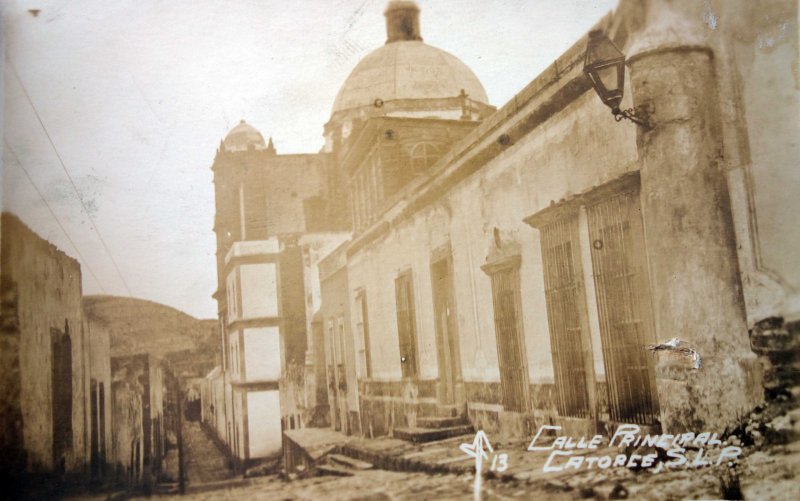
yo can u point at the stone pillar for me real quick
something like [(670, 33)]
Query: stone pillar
[(691, 247)]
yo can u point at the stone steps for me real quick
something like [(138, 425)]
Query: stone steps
[(333, 470), (449, 411), (167, 488), (339, 465), (348, 462), (439, 422), (418, 435)]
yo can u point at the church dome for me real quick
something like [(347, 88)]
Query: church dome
[(244, 137), (406, 68)]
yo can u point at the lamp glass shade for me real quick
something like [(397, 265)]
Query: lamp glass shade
[(604, 64), (609, 77)]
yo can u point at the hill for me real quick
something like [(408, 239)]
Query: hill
[(141, 326)]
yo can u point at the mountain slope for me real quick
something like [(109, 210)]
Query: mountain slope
[(141, 326)]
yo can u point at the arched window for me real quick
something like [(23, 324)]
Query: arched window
[(423, 155)]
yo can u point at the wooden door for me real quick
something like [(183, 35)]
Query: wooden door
[(61, 388), (333, 374), (446, 334), (406, 325), (341, 374)]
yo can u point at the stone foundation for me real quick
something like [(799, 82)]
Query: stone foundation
[(778, 347), (692, 400)]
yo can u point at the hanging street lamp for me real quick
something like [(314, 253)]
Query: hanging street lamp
[(604, 64)]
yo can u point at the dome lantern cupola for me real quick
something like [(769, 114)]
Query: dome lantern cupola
[(244, 137), (402, 22), (406, 73)]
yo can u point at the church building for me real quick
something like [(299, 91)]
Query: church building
[(443, 265), (272, 213)]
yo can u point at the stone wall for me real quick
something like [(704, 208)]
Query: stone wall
[(41, 291), (138, 415), (128, 436), (778, 345), (213, 405), (100, 400), (755, 48)]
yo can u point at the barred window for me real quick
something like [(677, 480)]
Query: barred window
[(614, 304), (623, 299), (563, 289), (507, 303)]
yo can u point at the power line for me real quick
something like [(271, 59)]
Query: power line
[(66, 171), (52, 213)]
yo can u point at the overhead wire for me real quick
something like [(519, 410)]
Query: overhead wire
[(69, 177), (55, 217)]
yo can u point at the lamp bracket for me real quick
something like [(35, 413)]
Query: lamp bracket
[(639, 116)]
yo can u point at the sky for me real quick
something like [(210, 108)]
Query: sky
[(113, 111)]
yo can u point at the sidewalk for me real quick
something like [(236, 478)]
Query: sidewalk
[(762, 472), (445, 456)]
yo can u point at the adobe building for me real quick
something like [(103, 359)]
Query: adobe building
[(100, 398), (53, 419), (154, 350), (139, 431)]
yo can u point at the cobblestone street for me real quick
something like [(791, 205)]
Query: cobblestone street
[(763, 474), (203, 460), (370, 485), (766, 477)]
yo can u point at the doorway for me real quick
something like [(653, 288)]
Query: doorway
[(508, 329), (446, 330), (61, 387), (623, 298), (337, 380)]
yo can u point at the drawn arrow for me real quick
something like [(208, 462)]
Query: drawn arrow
[(478, 446), (477, 450)]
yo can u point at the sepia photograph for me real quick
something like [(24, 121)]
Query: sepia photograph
[(400, 250)]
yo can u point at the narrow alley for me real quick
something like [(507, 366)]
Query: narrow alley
[(204, 461)]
